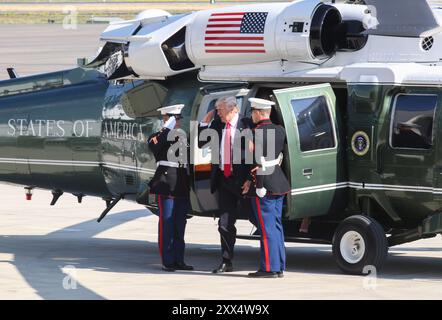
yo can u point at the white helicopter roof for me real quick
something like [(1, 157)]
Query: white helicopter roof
[(395, 41), (369, 73), (377, 73), (399, 74)]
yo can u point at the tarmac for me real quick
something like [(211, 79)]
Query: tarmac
[(61, 252), (32, 49)]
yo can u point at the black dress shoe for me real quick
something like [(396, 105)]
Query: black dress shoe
[(263, 274), (280, 274), (224, 267), (170, 268), (182, 266)]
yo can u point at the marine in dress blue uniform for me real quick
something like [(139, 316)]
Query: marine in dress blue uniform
[(270, 186), (171, 185)]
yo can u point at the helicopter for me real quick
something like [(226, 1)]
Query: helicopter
[(357, 90)]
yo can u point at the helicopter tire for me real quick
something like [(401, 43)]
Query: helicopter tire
[(360, 246)]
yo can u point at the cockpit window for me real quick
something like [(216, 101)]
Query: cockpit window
[(314, 123), (413, 118), (144, 100)]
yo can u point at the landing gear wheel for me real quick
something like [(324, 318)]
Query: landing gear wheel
[(360, 243)]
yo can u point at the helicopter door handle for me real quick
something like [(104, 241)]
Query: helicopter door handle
[(307, 172), (379, 160)]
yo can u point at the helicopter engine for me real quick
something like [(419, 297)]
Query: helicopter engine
[(157, 45)]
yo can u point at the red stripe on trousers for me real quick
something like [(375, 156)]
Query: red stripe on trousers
[(160, 205), (264, 235)]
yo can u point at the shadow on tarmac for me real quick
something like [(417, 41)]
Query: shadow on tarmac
[(41, 259)]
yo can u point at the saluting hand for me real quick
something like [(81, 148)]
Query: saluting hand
[(246, 187), (154, 140), (209, 116)]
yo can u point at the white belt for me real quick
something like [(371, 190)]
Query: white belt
[(171, 164), (271, 163)]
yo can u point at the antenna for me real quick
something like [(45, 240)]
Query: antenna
[(12, 73)]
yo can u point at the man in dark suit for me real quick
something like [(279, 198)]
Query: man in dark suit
[(171, 185), (228, 176)]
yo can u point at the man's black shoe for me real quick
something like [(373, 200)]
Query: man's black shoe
[(280, 274), (224, 267), (263, 274), (170, 268), (182, 266)]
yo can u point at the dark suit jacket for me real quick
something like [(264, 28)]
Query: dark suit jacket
[(241, 171)]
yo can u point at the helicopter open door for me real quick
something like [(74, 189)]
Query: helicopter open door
[(202, 199), (311, 158)]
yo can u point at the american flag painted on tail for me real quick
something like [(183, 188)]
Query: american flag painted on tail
[(235, 32)]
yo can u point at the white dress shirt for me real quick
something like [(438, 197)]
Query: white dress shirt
[(233, 125)]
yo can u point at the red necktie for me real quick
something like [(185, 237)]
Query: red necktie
[(227, 152)]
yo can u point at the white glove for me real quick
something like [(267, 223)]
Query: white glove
[(261, 192), (170, 124)]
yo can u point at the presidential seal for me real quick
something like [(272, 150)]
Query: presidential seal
[(360, 143)]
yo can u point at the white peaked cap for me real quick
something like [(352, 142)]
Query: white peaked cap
[(261, 104), (173, 110)]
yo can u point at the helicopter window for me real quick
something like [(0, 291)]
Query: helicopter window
[(144, 100), (313, 119), (365, 98), (413, 117)]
